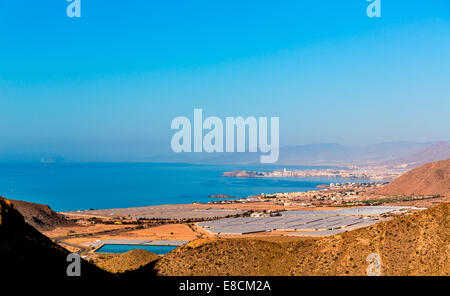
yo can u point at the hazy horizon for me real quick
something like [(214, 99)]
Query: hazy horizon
[(396, 149), (106, 87)]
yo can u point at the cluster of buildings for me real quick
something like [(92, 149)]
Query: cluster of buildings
[(328, 195), (348, 173)]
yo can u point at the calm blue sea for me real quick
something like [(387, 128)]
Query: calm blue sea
[(81, 186)]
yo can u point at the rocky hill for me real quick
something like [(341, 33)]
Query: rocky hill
[(120, 263), (40, 216), (26, 253), (416, 244), (429, 179)]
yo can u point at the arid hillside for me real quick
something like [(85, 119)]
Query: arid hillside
[(429, 179), (120, 263), (26, 253), (40, 216), (417, 244)]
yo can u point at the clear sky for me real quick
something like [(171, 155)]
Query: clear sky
[(107, 86)]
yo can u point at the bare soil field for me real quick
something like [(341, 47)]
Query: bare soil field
[(83, 229), (187, 211), (163, 232)]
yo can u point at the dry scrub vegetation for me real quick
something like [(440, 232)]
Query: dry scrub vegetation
[(417, 244)]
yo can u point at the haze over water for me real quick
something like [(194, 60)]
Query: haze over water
[(81, 186)]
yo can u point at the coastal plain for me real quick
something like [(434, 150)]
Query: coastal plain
[(328, 231), (185, 223)]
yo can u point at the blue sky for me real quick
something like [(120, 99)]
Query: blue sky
[(106, 86)]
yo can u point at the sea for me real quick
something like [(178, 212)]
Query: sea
[(84, 186)]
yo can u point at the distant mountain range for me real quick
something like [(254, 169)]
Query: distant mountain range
[(390, 154), (337, 154), (434, 152)]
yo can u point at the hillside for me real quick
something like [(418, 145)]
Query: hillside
[(119, 263), (429, 179), (417, 244), (26, 253), (40, 216), (435, 152)]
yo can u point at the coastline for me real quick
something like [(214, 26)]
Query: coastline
[(357, 173), (186, 222)]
